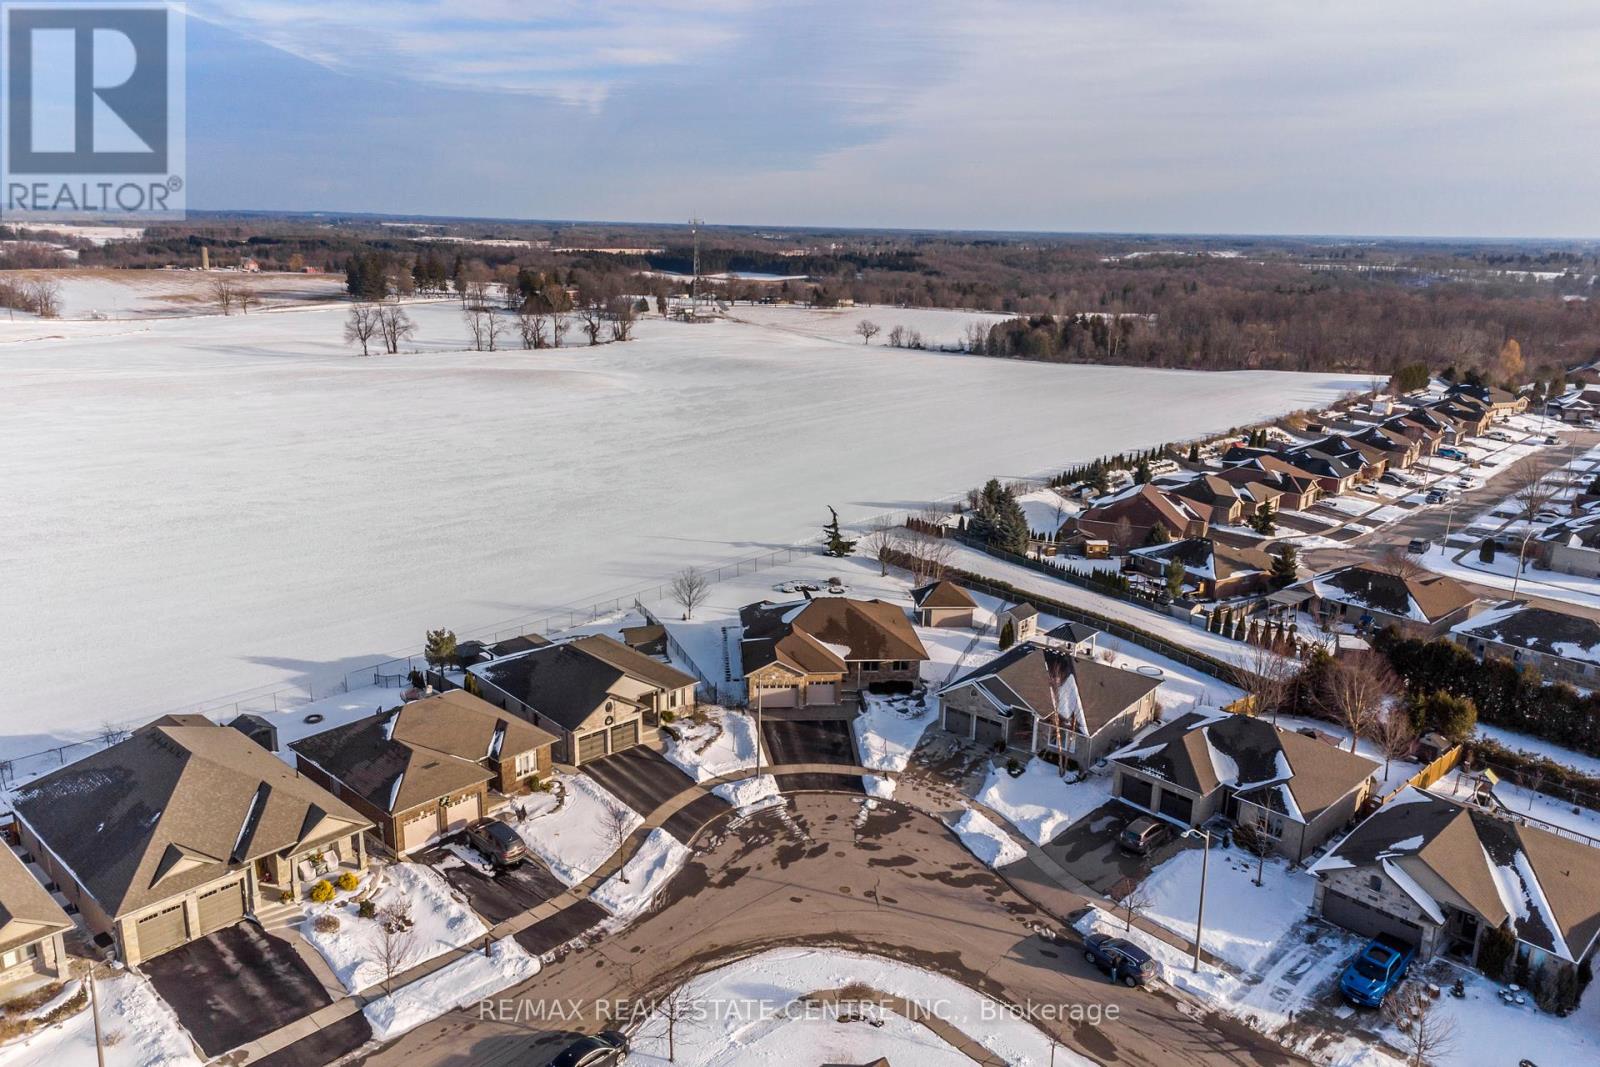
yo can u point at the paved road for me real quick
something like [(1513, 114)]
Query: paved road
[(898, 884)]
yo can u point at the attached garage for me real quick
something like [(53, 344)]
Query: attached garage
[(416, 830), (822, 693), (990, 731), (462, 811), (162, 931), (624, 735), (591, 746), (1177, 806), (1367, 920), (958, 722), (1136, 791), (780, 697), (221, 907)]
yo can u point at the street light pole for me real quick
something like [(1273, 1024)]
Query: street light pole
[(1205, 867), (758, 733)]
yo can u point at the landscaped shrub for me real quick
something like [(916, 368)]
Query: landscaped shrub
[(326, 924), (366, 909), (322, 892), (1495, 951), (348, 881), (285, 897), (667, 716)]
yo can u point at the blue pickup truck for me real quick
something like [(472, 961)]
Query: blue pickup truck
[(1376, 971)]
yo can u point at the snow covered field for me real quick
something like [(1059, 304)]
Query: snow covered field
[(217, 505), (1243, 920)]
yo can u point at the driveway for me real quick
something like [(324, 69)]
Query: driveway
[(1088, 849), (235, 985), (644, 779), (548, 934), (325, 1046), (499, 896), (796, 741)]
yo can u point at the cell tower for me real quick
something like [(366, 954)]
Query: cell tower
[(694, 281)]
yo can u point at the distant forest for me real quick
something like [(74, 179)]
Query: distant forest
[(1371, 306)]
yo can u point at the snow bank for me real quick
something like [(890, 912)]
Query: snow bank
[(573, 840), (440, 921), (471, 978), (985, 840), (1041, 803), (723, 744), (141, 1031), (888, 730), (750, 794), (632, 889), (878, 786)]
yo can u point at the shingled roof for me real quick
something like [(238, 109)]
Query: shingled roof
[(27, 911), (1543, 883), (1554, 633), (821, 636), (421, 751), (175, 806), (942, 594), (1039, 680), (1424, 598), (1279, 769), (565, 682)]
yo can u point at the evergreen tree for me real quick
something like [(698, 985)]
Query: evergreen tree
[(837, 543), (1194, 452), (1141, 473), (1264, 521), (1176, 574), (1158, 535), (1285, 567), (1008, 635), (1486, 550), (1099, 478), (440, 649)]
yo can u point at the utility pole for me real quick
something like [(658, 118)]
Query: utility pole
[(1205, 866), (94, 1008), (694, 281), (758, 733)]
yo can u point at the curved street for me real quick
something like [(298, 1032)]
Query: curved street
[(893, 882)]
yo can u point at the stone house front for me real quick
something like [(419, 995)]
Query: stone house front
[(32, 926), (815, 652)]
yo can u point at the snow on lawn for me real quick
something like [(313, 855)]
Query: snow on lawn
[(888, 730), (1534, 746), (1243, 920), (750, 794), (1209, 982), (335, 584), (985, 840), (1047, 509), (139, 1030), (471, 978), (878, 786), (1523, 801), (753, 1012), (725, 742), (440, 921), (572, 837), (1040, 803), (1501, 574), (632, 889)]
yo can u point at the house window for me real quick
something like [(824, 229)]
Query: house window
[(869, 664), (1375, 883), (900, 665), (525, 764)]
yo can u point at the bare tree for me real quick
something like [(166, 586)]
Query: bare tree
[(690, 590), (868, 330), (674, 1008), (559, 325), (1395, 735), (883, 541), (43, 297), (1266, 677), (493, 327), (361, 326), (391, 941), (977, 337), (897, 337), (1534, 488), (616, 826), (592, 320), (246, 298), (1398, 562), (622, 315), (476, 327), (1427, 1034), (1134, 899), (223, 294), (530, 325), (396, 326), (1355, 690), (112, 734)]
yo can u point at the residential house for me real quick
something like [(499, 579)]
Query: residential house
[(649, 639), (1073, 637), (813, 652), (1216, 499), (595, 694), (427, 768), (943, 603), (32, 926), (1334, 473), (1128, 518), (1426, 437), (1038, 698), (1571, 546), (1440, 874), (1217, 571), (1285, 492), (1295, 790), (1302, 488), (1562, 646), (1023, 618), (182, 829), (1369, 598), (1400, 450)]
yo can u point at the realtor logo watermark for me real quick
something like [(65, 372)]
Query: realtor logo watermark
[(93, 103)]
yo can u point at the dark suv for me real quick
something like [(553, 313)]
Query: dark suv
[(1121, 959), (1142, 836), (602, 1050), (498, 843)]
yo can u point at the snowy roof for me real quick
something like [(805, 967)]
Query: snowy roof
[(1041, 680), (821, 636), (1278, 769), (1424, 598), (942, 594), (1555, 633), (1546, 886), (566, 682)]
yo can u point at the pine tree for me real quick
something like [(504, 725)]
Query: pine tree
[(1141, 473), (1285, 566), (1264, 521), (1008, 635), (1158, 535), (836, 542), (1176, 574), (1194, 452)]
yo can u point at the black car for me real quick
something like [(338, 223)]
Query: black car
[(602, 1050), (497, 842), (1121, 959)]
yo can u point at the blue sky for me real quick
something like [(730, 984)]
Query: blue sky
[(1430, 117)]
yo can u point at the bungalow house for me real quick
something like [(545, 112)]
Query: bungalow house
[(943, 603), (1562, 646), (1073, 637), (1041, 699), (1128, 518), (1426, 438), (812, 652), (1400, 450), (1022, 617), (1471, 418), (184, 828), (595, 694), (1499, 402), (1285, 492), (427, 768), (1307, 487), (1217, 500), (1440, 875), (1336, 474), (1576, 405), (32, 926), (1218, 571), (1370, 598), (1295, 790), (1571, 546)]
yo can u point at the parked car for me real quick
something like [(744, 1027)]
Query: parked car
[(1417, 546), (1377, 970), (602, 1050), (1452, 453), (1142, 835), (1120, 959), (1436, 496), (498, 842), (1551, 440), (1368, 488)]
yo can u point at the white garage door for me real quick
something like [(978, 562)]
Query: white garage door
[(780, 698), (462, 812), (824, 693), (162, 931), (221, 907), (414, 833)]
